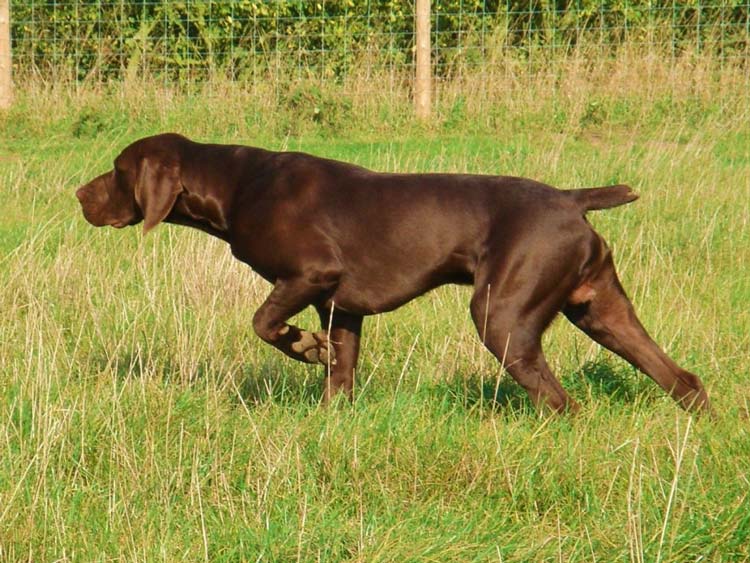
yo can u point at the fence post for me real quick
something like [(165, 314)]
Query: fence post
[(6, 86), (423, 79)]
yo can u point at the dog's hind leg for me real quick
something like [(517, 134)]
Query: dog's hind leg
[(511, 317), (600, 308)]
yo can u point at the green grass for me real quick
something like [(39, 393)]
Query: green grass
[(143, 420)]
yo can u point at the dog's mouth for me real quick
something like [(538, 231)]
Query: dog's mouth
[(95, 217), (96, 213), (127, 222)]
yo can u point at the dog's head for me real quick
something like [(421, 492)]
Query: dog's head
[(143, 185)]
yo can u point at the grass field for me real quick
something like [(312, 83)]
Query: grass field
[(141, 418)]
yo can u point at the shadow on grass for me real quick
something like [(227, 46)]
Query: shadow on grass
[(284, 383), (274, 381), (618, 383), (471, 391)]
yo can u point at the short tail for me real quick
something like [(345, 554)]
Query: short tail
[(589, 199)]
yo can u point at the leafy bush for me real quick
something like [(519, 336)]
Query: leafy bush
[(249, 38)]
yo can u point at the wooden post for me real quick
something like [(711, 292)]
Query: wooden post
[(423, 79), (6, 86)]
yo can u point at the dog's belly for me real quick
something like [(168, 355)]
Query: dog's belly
[(370, 290), (371, 300)]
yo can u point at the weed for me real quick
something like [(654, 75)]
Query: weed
[(143, 420)]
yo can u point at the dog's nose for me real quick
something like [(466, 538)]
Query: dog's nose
[(80, 193)]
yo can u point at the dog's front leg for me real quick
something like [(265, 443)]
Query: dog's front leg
[(288, 298), (344, 330)]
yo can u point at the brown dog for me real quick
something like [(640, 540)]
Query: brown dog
[(352, 242)]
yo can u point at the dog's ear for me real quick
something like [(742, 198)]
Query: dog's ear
[(156, 190)]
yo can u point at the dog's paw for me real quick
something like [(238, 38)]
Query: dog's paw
[(315, 348)]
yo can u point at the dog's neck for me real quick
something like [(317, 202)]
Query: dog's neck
[(205, 203), (202, 211)]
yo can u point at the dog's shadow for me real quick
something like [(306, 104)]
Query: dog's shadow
[(618, 383), (274, 381), (471, 391), (280, 383)]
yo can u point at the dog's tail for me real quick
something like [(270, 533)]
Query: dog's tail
[(589, 199)]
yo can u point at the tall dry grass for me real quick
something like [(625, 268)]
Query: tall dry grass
[(143, 420)]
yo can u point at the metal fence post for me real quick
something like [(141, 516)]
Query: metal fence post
[(423, 79), (6, 86)]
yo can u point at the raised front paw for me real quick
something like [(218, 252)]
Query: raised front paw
[(315, 347)]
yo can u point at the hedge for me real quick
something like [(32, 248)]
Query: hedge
[(111, 38)]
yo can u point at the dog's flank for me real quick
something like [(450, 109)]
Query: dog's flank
[(352, 242)]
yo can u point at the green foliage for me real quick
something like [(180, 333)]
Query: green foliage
[(144, 421), (308, 104), (244, 38)]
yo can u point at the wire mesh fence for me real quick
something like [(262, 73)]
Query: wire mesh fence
[(330, 40)]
